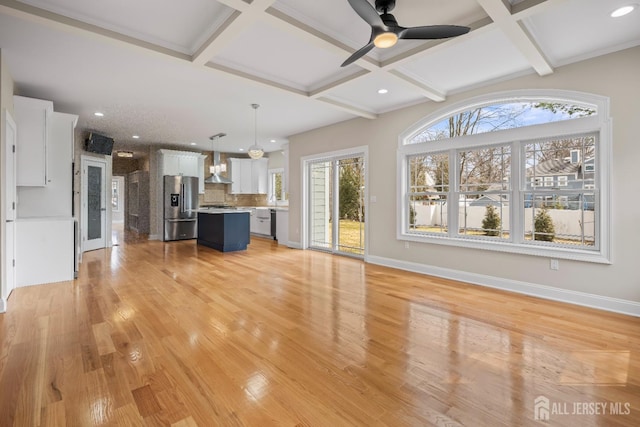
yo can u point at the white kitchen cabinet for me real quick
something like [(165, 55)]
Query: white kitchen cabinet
[(260, 176), (282, 226), (189, 165), (249, 176), (201, 174), (261, 221), (47, 242), (240, 171), (54, 199), (184, 163), (170, 164), (32, 118)]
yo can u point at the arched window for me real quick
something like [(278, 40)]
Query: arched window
[(520, 172)]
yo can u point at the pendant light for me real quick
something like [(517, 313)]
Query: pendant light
[(255, 151)]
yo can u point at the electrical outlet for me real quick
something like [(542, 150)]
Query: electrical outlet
[(406, 245), (554, 264)]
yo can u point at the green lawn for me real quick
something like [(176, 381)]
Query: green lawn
[(351, 236)]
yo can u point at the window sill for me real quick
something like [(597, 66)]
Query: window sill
[(594, 256)]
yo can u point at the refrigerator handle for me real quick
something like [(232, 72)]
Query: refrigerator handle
[(182, 198)]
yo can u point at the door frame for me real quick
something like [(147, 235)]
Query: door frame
[(106, 220), (8, 246), (305, 163)]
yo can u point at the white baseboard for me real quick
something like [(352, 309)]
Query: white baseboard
[(3, 305), (615, 305), (294, 245)]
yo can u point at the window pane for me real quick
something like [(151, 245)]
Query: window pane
[(565, 218), (428, 214), (487, 215), (487, 169), (429, 172), (563, 162), (501, 116), (277, 184)]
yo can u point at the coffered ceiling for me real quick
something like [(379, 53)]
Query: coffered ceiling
[(176, 72)]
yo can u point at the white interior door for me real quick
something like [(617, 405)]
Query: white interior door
[(9, 191), (94, 204)]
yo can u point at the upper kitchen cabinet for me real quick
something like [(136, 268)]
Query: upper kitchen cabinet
[(184, 163), (54, 199), (249, 176), (260, 175), (32, 118)]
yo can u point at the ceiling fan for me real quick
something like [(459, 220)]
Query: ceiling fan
[(385, 31)]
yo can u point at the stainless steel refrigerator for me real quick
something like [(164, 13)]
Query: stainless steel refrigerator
[(180, 207)]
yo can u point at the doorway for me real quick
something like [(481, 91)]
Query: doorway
[(94, 203), (118, 208), (336, 193)]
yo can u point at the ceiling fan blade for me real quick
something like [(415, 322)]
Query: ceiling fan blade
[(358, 54), (367, 12), (432, 32)]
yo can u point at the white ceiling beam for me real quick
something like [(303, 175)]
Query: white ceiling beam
[(533, 7), (433, 46), (41, 16), (426, 90), (319, 92), (519, 36), (349, 108), (239, 21), (309, 34), (270, 83)]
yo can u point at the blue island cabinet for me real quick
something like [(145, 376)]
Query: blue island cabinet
[(223, 230)]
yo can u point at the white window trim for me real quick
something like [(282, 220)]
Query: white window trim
[(600, 124)]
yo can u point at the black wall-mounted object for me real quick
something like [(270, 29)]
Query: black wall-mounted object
[(99, 144)]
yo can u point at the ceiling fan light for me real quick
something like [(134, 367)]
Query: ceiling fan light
[(255, 152), (385, 40)]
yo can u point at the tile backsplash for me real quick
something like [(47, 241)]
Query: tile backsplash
[(217, 194)]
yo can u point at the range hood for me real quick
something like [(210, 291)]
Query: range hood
[(215, 178)]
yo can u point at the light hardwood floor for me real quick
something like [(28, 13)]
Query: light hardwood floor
[(159, 334)]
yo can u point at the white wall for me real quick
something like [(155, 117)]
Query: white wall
[(614, 76)]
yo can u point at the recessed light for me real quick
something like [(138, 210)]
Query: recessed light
[(193, 143), (125, 154), (624, 10), (383, 91), (135, 137), (98, 114), (240, 149), (272, 140)]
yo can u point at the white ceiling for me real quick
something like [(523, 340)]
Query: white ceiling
[(175, 73)]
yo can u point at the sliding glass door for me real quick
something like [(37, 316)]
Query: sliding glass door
[(336, 205)]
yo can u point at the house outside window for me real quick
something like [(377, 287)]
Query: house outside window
[(490, 174)]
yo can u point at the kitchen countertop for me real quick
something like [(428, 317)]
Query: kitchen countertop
[(223, 210)]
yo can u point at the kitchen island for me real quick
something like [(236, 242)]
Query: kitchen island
[(224, 229)]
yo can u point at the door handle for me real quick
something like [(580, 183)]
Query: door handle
[(182, 199), (103, 209)]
